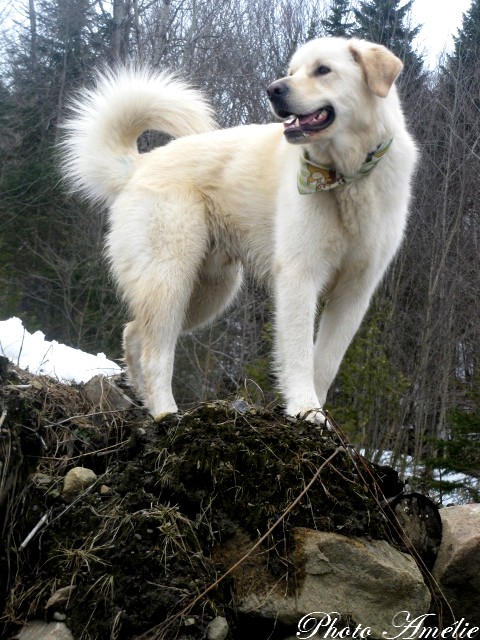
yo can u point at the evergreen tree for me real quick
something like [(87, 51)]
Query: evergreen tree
[(387, 22), (463, 62), (337, 23), (50, 271)]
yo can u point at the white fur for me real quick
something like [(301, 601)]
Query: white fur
[(186, 218)]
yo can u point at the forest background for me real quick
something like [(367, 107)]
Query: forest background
[(410, 380)]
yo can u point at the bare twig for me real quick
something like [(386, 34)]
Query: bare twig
[(35, 529)]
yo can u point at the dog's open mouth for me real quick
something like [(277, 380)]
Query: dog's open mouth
[(302, 126)]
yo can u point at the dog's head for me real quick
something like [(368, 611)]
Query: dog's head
[(331, 80)]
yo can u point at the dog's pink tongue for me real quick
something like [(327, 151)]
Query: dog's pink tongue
[(316, 117)]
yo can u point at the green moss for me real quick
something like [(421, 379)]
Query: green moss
[(249, 467)]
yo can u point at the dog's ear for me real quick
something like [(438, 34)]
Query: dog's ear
[(381, 66)]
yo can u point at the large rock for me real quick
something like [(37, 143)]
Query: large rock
[(365, 582), (457, 569)]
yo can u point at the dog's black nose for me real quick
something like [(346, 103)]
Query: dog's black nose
[(278, 90)]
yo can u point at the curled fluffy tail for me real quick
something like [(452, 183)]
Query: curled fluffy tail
[(99, 147)]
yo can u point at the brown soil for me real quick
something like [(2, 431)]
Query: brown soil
[(143, 542)]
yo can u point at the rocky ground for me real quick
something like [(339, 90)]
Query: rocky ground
[(143, 547)]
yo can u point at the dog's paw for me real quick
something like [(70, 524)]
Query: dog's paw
[(158, 416), (315, 416)]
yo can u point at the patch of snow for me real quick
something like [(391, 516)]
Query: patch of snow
[(408, 468), (32, 352)]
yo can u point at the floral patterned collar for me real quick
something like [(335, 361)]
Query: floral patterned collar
[(314, 177)]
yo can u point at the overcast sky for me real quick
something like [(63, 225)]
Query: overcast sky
[(440, 19)]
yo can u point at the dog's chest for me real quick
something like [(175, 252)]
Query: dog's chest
[(354, 208)]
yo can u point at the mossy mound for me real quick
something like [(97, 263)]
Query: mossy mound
[(141, 544), (244, 469)]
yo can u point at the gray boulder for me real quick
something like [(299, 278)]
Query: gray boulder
[(457, 569), (354, 581)]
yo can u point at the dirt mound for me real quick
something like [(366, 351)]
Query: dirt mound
[(141, 545)]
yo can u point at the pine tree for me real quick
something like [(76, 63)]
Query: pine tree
[(387, 22), (463, 62), (459, 80), (337, 24), (49, 274)]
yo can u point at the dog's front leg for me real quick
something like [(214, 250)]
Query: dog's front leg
[(341, 318), (296, 298)]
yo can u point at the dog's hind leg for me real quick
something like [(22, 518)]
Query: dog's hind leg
[(157, 246), (218, 281), (160, 321), (132, 349)]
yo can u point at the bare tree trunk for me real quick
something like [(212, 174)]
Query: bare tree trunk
[(32, 14), (138, 39), (161, 41), (121, 10)]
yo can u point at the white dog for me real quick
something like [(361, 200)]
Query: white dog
[(316, 206)]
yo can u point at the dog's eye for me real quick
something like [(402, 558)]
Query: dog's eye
[(322, 70)]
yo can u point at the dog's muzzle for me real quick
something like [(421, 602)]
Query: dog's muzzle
[(298, 126), (278, 93)]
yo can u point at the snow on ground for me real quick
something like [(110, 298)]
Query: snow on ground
[(454, 487), (30, 351)]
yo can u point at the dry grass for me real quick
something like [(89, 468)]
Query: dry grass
[(140, 554)]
